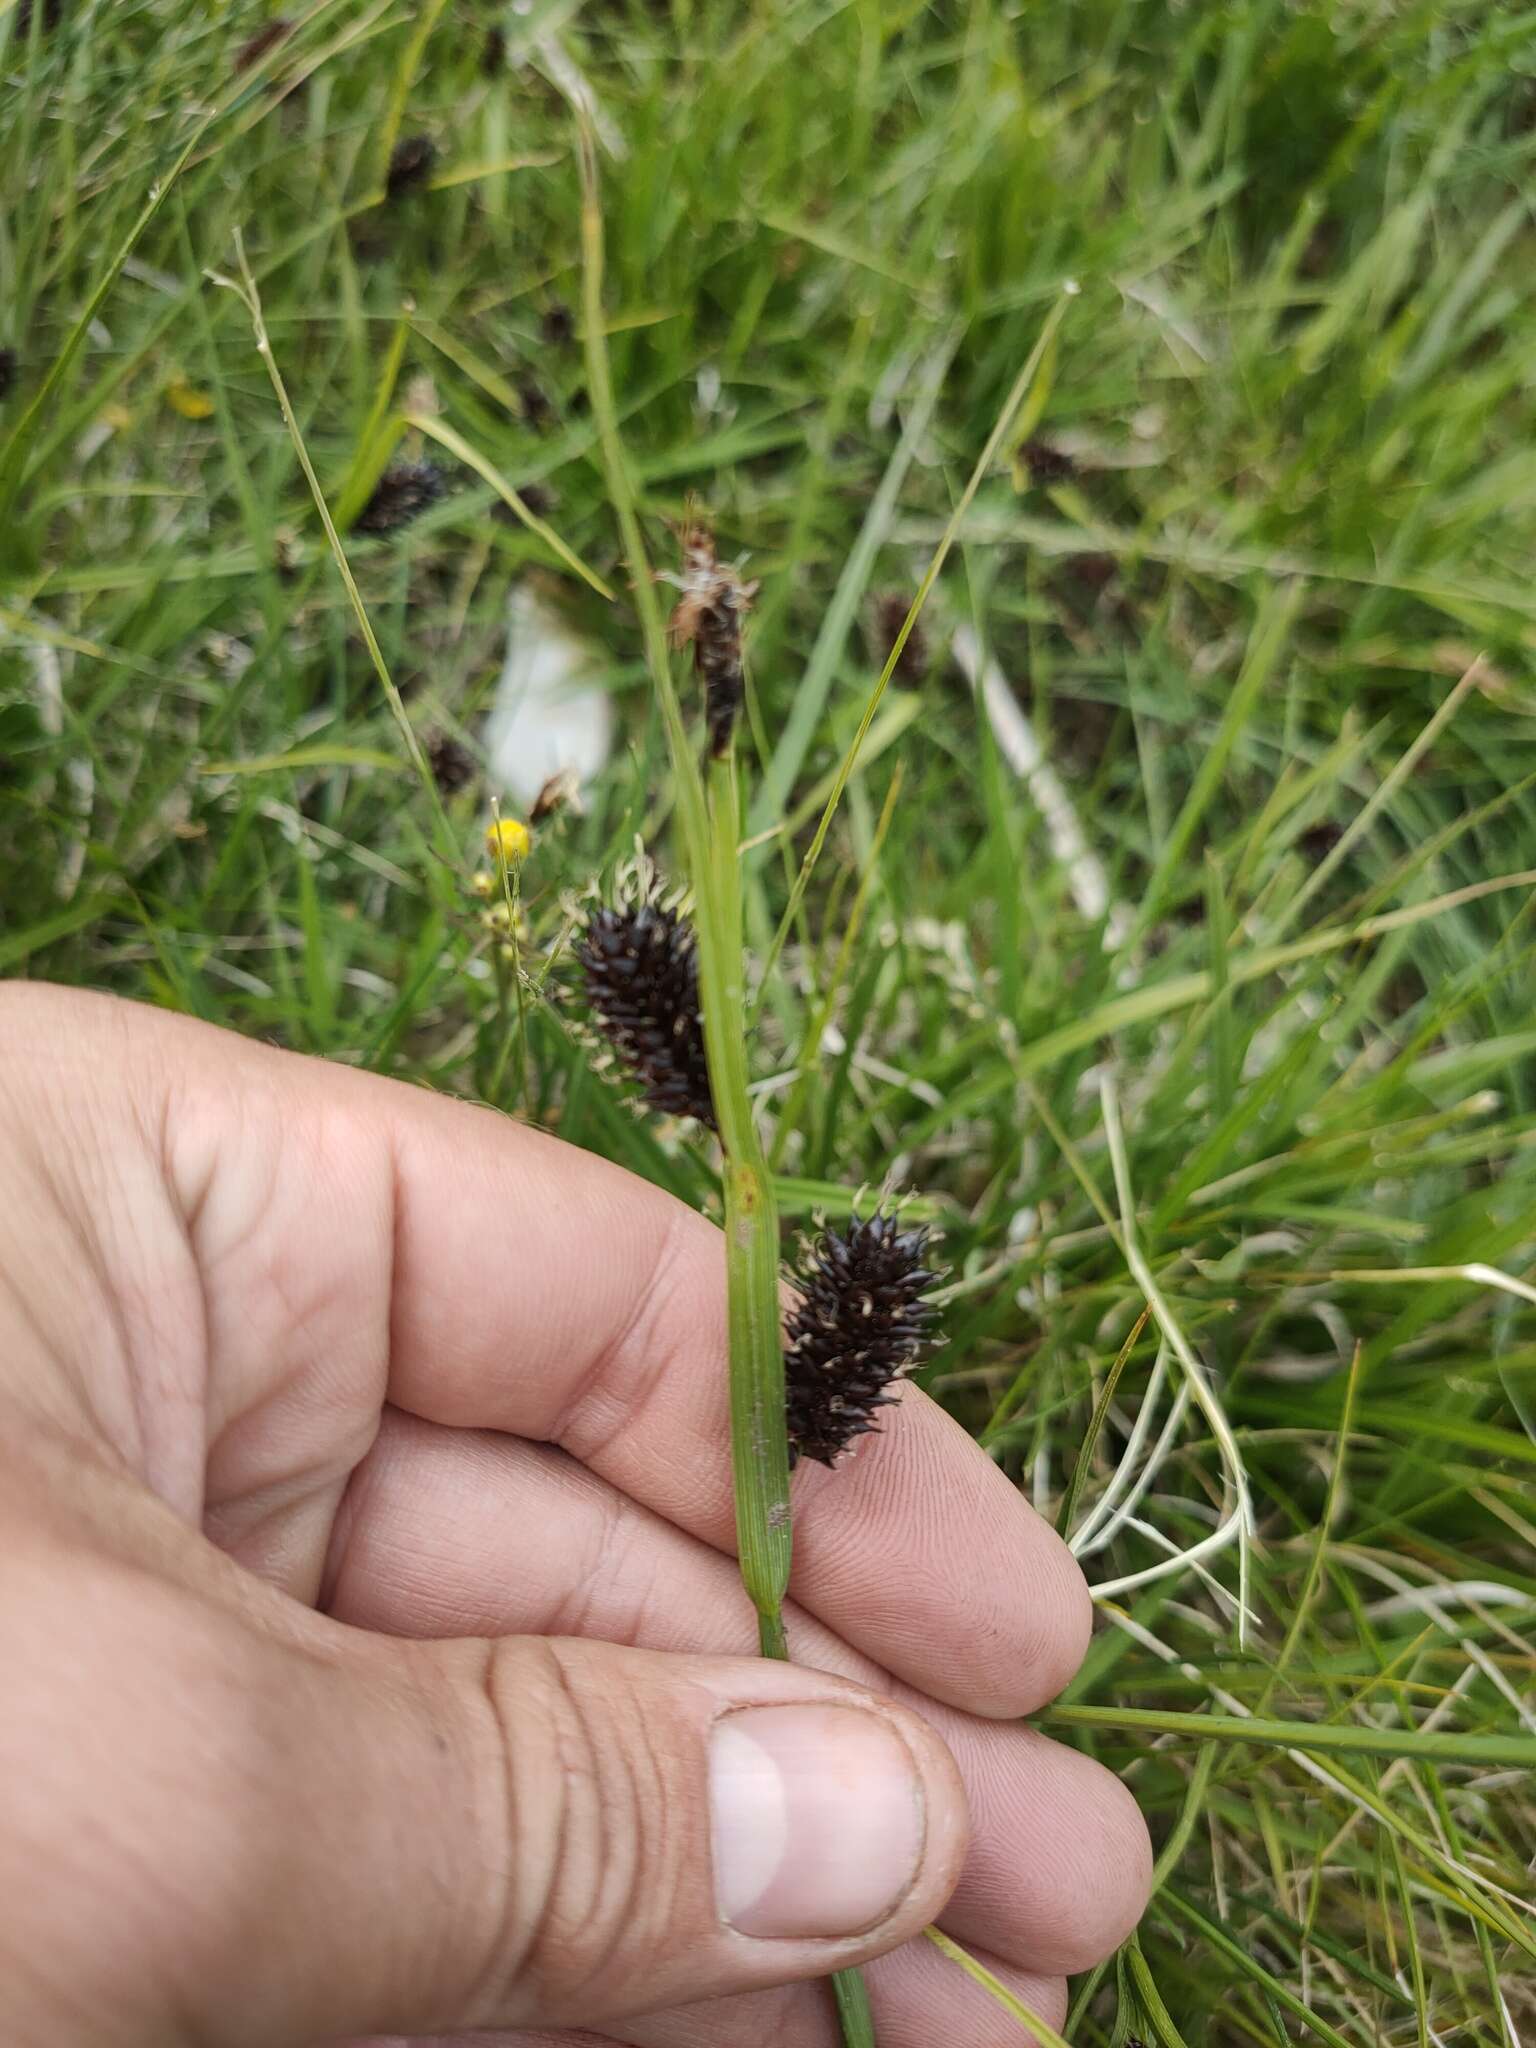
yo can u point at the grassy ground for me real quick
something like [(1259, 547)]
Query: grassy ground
[(1286, 1082)]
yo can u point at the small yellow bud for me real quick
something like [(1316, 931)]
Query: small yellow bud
[(484, 883), (510, 839)]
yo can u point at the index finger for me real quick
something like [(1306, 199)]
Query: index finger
[(539, 1290), (542, 1291)]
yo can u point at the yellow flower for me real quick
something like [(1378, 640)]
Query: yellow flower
[(509, 839), (186, 399)]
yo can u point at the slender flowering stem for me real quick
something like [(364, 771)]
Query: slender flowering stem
[(710, 821)]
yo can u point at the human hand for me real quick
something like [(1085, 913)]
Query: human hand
[(370, 1635)]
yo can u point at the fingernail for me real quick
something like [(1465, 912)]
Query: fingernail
[(817, 1820)]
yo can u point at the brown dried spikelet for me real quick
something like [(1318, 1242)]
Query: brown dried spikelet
[(560, 792), (709, 615)]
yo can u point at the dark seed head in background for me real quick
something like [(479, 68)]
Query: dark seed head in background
[(50, 14), (538, 410), (453, 765), (410, 162), (558, 326), (265, 39), (402, 493), (861, 1323), (890, 615), (642, 982), (1090, 572), (1046, 463), (7, 371), (539, 498)]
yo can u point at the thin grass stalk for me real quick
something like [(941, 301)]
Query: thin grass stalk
[(789, 1116), (1424, 1745), (759, 1450), (711, 834), (1042, 2030), (248, 292), (1023, 385)]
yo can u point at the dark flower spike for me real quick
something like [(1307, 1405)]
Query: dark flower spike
[(642, 982), (409, 163), (862, 1322), (402, 493), (7, 371)]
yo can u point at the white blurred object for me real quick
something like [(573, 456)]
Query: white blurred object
[(548, 717), (1021, 750)]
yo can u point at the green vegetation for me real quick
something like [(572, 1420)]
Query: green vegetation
[(1253, 558)]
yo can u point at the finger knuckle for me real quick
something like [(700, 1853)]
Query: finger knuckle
[(594, 1852)]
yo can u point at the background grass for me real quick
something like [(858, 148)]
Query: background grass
[(1290, 1073)]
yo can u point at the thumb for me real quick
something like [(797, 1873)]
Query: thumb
[(543, 1832)]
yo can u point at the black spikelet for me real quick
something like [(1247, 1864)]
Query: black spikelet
[(642, 978), (401, 494), (7, 371), (409, 162), (861, 1323)]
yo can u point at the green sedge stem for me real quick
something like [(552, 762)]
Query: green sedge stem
[(710, 824)]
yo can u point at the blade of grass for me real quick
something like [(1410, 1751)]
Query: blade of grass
[(1022, 386), (1044, 2033), (245, 289), (1095, 1425), (439, 430), (1241, 1959), (1515, 1752), (1276, 615), (832, 638)]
